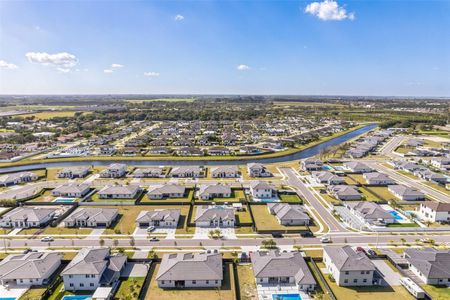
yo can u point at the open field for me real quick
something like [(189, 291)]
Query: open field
[(226, 291), (247, 284), (46, 115), (290, 198)]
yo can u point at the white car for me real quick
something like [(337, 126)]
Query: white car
[(325, 240), (47, 239), (151, 228)]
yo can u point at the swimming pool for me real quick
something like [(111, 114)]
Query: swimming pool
[(81, 297), (64, 200), (8, 298), (327, 168), (396, 215), (267, 200), (286, 297)]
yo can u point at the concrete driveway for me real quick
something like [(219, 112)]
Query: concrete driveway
[(135, 270), (203, 232), (390, 277)]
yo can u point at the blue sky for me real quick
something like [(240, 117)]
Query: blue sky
[(233, 47)]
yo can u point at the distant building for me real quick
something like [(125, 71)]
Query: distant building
[(17, 178), (357, 167), (165, 191), (155, 172), (406, 193), (74, 172), (258, 170), (119, 192), (91, 217), (225, 172), (311, 164), (72, 190), (344, 192), (376, 178), (114, 171)]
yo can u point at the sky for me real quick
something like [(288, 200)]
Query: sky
[(322, 47)]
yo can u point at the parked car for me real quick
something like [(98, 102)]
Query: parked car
[(153, 239), (47, 239), (360, 249), (371, 252), (151, 228), (277, 235)]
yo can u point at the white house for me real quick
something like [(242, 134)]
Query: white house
[(17, 178), (262, 189), (73, 172), (210, 191), (357, 167), (376, 178), (214, 216), (406, 193), (27, 217), (433, 211), (258, 170), (225, 172), (114, 171), (91, 217), (72, 190), (164, 191), (161, 218), (432, 266), (348, 267), (119, 192)]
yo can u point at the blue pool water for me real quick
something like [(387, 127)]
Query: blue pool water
[(64, 200), (82, 297), (12, 298), (286, 297), (396, 215), (327, 168), (268, 200)]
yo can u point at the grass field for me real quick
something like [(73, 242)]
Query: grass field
[(243, 216), (290, 198), (46, 115), (226, 291), (129, 288), (56, 230), (437, 292), (438, 187), (247, 284), (33, 293)]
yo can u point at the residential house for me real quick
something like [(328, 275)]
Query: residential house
[(160, 150), (431, 265), (17, 178), (311, 164), (31, 269), (190, 151), (72, 190), (262, 189), (225, 172), (289, 214), (442, 163), (27, 217), (376, 178), (114, 171), (258, 170), (186, 171), (153, 172), (370, 213), (327, 177), (431, 176), (433, 211), (282, 268), (107, 150), (160, 218), (92, 268), (348, 267), (210, 191), (190, 270), (406, 193), (214, 216), (119, 192), (163, 191), (218, 151), (344, 192), (357, 167), (91, 217), (74, 172)]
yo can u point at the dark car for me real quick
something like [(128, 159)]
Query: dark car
[(360, 249), (371, 252), (153, 239), (277, 235)]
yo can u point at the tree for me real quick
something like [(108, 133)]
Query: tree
[(269, 244), (101, 242), (132, 241), (115, 242)]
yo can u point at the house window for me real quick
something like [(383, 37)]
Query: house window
[(21, 280), (81, 284), (355, 280), (217, 281), (367, 272), (162, 281), (87, 275), (362, 272), (346, 272), (194, 282), (364, 280), (71, 285), (345, 280), (70, 276), (207, 281), (91, 284)]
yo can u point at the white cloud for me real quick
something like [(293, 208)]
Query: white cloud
[(151, 74), (108, 71), (7, 66), (178, 18), (329, 10), (116, 66), (62, 61), (243, 68)]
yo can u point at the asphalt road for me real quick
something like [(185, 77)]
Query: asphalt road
[(390, 146), (325, 214)]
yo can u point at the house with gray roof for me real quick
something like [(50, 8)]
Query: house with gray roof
[(164, 191), (17, 178), (211, 191), (348, 267), (214, 216), (27, 217), (406, 193), (74, 172), (311, 164), (160, 218), (91, 217), (119, 192), (432, 266), (282, 268), (289, 214), (327, 177), (190, 270), (225, 172), (433, 211), (31, 269), (151, 172), (71, 190), (344, 192), (370, 212), (376, 178), (114, 171), (93, 267), (262, 190), (186, 172), (357, 167), (258, 170)]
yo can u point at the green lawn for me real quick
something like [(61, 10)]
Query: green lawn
[(243, 216), (129, 288), (290, 198), (438, 187), (95, 198), (403, 225), (437, 292), (33, 293), (56, 230), (265, 221)]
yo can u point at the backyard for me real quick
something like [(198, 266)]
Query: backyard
[(247, 284), (265, 221), (129, 288)]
